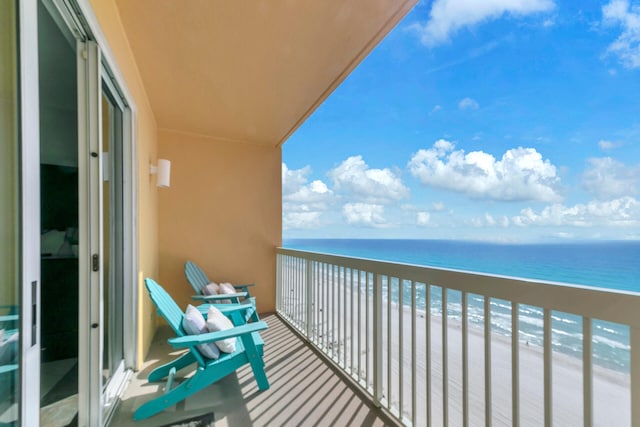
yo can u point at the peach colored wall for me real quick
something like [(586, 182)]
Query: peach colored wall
[(9, 277), (223, 211), (146, 143)]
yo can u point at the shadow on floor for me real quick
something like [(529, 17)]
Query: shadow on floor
[(304, 390)]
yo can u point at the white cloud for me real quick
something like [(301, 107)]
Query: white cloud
[(607, 178), (607, 145), (354, 177), (489, 220), (520, 175), (438, 206), (447, 17), (295, 188), (303, 204), (300, 220), (423, 219), (317, 191), (367, 214), (436, 108), (627, 46), (468, 104), (292, 180), (622, 212)]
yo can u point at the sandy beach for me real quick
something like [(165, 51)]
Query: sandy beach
[(611, 393)]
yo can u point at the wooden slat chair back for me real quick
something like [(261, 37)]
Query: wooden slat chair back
[(196, 277), (198, 280)]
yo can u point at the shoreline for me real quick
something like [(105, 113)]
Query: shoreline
[(576, 362), (567, 358), (611, 388)]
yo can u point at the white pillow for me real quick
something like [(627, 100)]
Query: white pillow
[(193, 323), (226, 288), (216, 321), (211, 289), (8, 348)]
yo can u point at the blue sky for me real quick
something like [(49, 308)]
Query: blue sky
[(500, 120)]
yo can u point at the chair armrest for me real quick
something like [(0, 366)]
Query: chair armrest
[(219, 296), (232, 308), (226, 308), (244, 286), (191, 340)]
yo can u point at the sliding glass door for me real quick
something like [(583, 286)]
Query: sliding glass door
[(67, 269), (83, 225), (59, 219), (113, 244)]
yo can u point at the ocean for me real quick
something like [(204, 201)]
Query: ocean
[(609, 265)]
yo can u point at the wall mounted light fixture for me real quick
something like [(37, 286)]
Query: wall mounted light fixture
[(162, 172)]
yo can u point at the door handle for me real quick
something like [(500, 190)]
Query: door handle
[(34, 312)]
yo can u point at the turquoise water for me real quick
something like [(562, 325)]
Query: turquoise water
[(610, 265)]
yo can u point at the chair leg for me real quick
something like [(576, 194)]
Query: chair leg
[(201, 379), (254, 316), (162, 371), (256, 362), (257, 365), (167, 400)]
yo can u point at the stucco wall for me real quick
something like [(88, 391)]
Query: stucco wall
[(146, 145), (223, 211), (8, 158)]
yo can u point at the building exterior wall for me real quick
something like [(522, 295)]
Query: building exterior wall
[(145, 129), (223, 211), (8, 157)]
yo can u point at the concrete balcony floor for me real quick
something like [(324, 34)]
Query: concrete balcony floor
[(304, 390)]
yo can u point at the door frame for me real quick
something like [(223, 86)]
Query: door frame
[(113, 74), (118, 377), (93, 70), (90, 327), (29, 137)]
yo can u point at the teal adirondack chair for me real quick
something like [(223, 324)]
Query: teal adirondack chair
[(249, 350), (8, 323), (198, 280)]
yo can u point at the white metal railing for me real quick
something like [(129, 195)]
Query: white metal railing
[(435, 346)]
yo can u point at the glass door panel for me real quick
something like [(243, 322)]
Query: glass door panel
[(10, 214), (59, 220), (112, 231)]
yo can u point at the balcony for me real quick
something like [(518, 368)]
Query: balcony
[(447, 354), (305, 390), (342, 351)]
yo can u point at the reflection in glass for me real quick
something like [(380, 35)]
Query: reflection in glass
[(59, 268), (112, 203)]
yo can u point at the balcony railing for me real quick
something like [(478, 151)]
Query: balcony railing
[(437, 347)]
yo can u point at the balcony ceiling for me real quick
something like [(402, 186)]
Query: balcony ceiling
[(249, 71)]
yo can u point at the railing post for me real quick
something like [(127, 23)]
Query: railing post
[(309, 296), (587, 372), (377, 339), (634, 339), (548, 370), (278, 281)]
